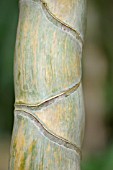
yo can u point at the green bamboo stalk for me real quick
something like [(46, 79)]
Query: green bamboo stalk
[(49, 113)]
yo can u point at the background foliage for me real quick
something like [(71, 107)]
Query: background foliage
[(8, 24)]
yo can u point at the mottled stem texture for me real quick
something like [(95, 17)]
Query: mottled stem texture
[(49, 112)]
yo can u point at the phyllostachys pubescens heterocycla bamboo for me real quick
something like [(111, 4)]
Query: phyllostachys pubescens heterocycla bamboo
[(49, 113)]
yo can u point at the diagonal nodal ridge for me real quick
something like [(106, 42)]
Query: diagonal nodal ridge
[(50, 136), (59, 22), (56, 21), (51, 100)]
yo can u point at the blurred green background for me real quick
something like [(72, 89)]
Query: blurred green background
[(97, 82)]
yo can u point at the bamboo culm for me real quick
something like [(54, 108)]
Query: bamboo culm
[(49, 111)]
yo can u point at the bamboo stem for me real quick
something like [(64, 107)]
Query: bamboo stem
[(49, 113)]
